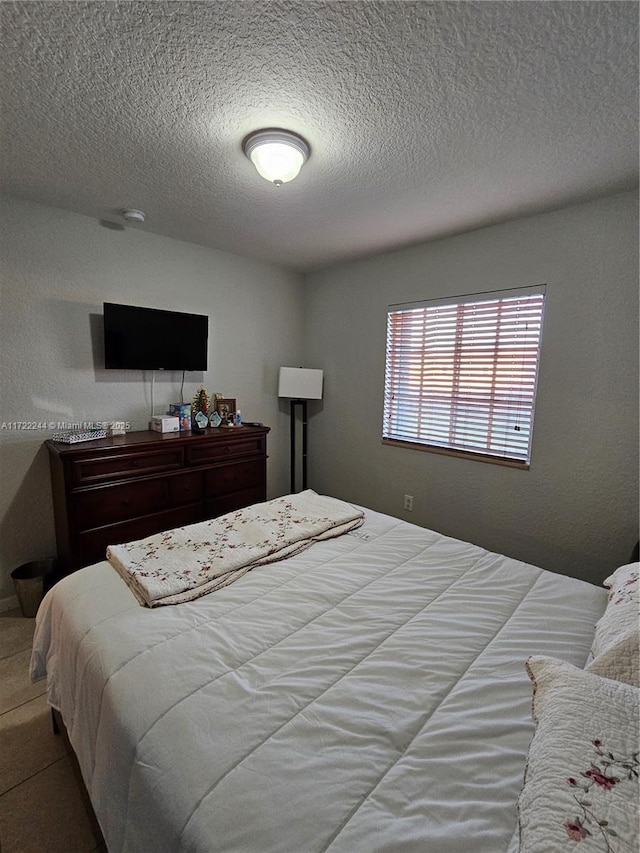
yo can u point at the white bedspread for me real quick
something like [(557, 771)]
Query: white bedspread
[(366, 695)]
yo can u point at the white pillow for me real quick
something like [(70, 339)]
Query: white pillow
[(616, 646), (581, 780)]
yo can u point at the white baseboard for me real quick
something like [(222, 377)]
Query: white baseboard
[(10, 603)]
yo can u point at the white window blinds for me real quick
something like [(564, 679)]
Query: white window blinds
[(462, 374)]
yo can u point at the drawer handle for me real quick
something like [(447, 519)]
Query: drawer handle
[(227, 449), (134, 463)]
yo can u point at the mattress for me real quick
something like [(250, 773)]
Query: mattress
[(366, 695)]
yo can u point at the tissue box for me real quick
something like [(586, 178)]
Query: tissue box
[(183, 412), (165, 423)]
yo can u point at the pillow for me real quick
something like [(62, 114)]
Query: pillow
[(581, 780), (616, 646)]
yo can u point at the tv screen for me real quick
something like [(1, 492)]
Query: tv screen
[(151, 339)]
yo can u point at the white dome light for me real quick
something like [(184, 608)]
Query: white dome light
[(278, 155)]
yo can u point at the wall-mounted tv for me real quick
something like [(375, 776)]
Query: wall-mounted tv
[(151, 339)]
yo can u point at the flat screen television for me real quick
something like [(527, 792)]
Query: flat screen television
[(151, 339)]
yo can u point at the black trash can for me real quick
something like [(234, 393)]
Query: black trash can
[(31, 581)]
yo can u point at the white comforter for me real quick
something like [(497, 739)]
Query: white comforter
[(366, 695)]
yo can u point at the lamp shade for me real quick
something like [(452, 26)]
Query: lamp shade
[(300, 383)]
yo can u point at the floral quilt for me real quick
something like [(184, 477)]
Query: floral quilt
[(581, 782), (187, 562)]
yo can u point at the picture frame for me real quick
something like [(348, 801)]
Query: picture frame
[(225, 407)]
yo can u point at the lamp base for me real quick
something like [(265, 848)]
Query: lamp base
[(293, 405)]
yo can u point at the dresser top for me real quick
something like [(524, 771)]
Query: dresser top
[(151, 438)]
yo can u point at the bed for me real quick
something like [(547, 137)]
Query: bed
[(367, 694)]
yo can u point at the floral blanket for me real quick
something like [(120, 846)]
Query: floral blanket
[(187, 562)]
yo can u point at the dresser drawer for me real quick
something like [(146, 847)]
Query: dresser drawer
[(186, 488), (92, 544), (96, 468), (95, 507), (219, 450), (238, 500), (234, 478)]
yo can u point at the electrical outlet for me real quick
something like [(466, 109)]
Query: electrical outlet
[(408, 502)]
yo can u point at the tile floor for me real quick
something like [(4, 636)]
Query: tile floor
[(41, 808)]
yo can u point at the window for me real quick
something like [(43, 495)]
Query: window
[(461, 374)]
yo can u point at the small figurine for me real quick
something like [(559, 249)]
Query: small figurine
[(201, 402), (200, 422)]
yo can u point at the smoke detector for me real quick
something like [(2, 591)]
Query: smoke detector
[(133, 215)]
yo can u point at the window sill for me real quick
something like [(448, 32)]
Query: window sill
[(465, 454)]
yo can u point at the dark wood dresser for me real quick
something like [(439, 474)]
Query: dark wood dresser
[(118, 489)]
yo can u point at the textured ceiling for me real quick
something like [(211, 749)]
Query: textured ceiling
[(424, 119)]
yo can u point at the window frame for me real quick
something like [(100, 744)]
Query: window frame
[(458, 345)]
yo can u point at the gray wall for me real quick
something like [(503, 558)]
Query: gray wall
[(57, 269), (576, 510)]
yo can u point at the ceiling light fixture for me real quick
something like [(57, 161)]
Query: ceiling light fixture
[(278, 155)]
